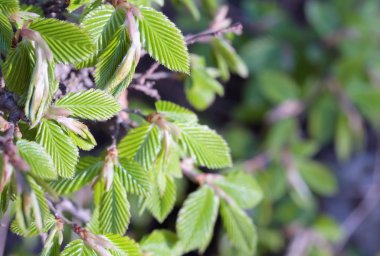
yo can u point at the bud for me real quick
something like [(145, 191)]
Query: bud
[(76, 127), (108, 167), (38, 94), (4, 124)]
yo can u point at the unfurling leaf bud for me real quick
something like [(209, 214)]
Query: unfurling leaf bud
[(76, 127), (38, 94), (108, 167)]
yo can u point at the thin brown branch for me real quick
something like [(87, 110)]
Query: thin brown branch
[(208, 35)]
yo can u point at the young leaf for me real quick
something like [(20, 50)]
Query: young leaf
[(110, 61), (205, 146), (42, 85), (6, 34), (161, 204), (90, 104), (87, 169), (85, 143), (196, 219), (163, 40), (239, 227), (159, 243), (60, 147), (37, 158), (233, 60), (114, 212), (133, 176), (202, 86), (318, 177), (241, 187), (175, 113), (67, 41), (141, 144), (52, 248), (9, 6), (32, 229), (123, 245), (41, 211), (78, 248), (18, 67), (101, 24), (75, 4)]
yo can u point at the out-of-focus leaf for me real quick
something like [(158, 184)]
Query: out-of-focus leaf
[(318, 177)]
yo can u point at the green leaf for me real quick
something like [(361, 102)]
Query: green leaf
[(233, 60), (175, 113), (87, 169), (318, 177), (163, 40), (18, 67), (108, 75), (123, 245), (329, 228), (90, 104), (9, 6), (161, 204), (52, 248), (242, 188), (6, 34), (101, 24), (68, 42), (277, 86), (114, 212), (239, 227), (93, 225), (32, 229), (85, 143), (60, 147), (37, 158), (78, 248), (41, 210), (75, 4), (133, 176), (205, 146), (202, 88), (196, 219), (141, 144), (159, 243)]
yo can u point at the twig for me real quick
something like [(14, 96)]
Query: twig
[(206, 36)]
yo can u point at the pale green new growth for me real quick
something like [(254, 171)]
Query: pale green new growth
[(39, 161), (133, 176), (205, 146), (163, 40), (239, 227), (68, 42), (78, 248), (114, 212), (196, 219), (141, 144), (242, 188), (159, 203), (9, 6), (60, 147), (6, 34), (91, 104)]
